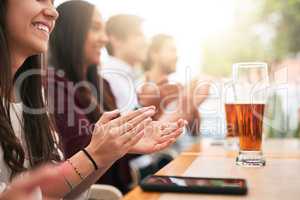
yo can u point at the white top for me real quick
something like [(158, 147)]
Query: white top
[(122, 80), (5, 172)]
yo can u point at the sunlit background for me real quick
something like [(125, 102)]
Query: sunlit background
[(211, 35), (190, 22)]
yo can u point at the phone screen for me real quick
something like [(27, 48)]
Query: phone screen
[(202, 182)]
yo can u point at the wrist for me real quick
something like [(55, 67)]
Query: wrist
[(91, 159), (97, 157)]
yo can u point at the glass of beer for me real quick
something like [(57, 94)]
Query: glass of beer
[(246, 111), (232, 132)]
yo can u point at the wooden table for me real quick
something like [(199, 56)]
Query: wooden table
[(275, 181)]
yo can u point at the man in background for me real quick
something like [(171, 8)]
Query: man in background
[(172, 99), (127, 48)]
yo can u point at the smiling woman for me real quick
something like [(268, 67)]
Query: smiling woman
[(36, 23), (24, 42)]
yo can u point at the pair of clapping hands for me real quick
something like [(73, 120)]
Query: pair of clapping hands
[(134, 132), (112, 138)]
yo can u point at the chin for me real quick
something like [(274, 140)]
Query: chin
[(40, 48)]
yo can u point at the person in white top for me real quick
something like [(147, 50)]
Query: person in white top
[(127, 47), (27, 136)]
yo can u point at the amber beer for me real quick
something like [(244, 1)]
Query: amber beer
[(231, 121), (246, 121)]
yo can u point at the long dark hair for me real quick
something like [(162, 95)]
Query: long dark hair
[(67, 54), (37, 128)]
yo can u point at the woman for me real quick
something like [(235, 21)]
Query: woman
[(27, 135), (76, 85)]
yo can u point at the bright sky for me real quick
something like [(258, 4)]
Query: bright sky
[(189, 21)]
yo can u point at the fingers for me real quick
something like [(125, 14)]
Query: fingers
[(136, 121), (170, 136), (181, 123), (108, 116), (127, 137), (169, 127), (162, 146), (37, 178), (133, 141), (121, 120)]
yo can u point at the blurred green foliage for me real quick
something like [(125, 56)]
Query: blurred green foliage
[(264, 30)]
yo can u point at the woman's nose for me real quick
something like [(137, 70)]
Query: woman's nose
[(51, 12)]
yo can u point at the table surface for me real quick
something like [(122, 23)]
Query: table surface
[(279, 179)]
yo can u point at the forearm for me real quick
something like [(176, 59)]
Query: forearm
[(70, 177), (92, 178)]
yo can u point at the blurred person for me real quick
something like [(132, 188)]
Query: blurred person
[(127, 47), (172, 99), (76, 85), (27, 133)]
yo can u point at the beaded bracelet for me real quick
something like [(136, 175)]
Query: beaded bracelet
[(75, 169)]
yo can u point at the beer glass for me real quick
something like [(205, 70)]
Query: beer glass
[(232, 137), (250, 93)]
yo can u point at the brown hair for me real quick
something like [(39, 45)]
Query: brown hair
[(67, 55), (121, 26), (38, 128)]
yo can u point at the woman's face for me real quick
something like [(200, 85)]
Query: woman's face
[(29, 24), (96, 40)]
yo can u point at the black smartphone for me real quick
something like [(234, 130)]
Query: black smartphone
[(194, 185)]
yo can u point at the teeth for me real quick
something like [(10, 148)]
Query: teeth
[(42, 27)]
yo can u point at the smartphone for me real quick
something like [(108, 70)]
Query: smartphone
[(194, 185)]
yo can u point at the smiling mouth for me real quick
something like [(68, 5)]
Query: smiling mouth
[(42, 27)]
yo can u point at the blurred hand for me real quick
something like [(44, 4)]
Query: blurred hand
[(27, 187), (159, 94), (113, 138), (158, 136)]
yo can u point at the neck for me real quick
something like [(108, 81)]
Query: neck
[(17, 58), (16, 62), (155, 74), (124, 58)]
